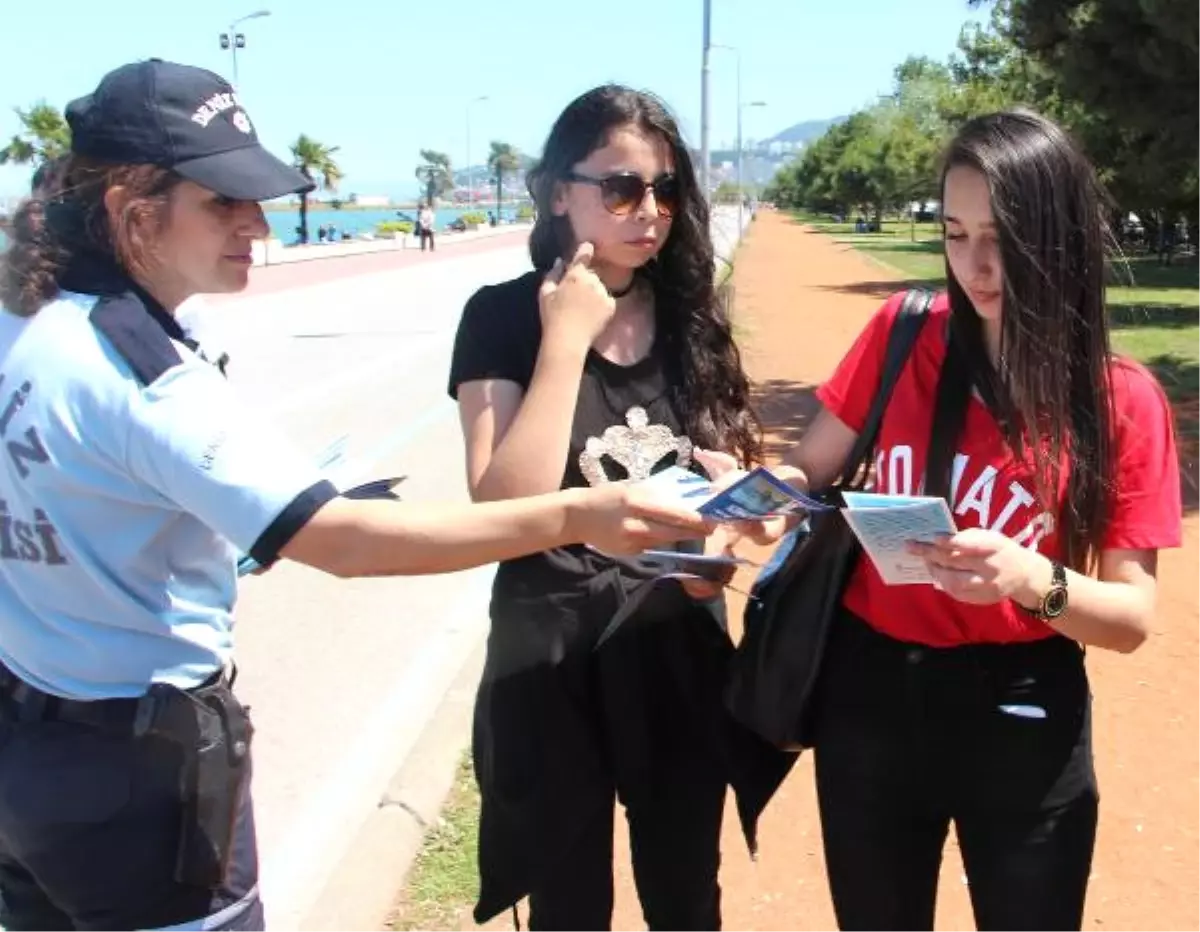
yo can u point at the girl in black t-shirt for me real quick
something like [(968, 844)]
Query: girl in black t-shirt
[(612, 360)]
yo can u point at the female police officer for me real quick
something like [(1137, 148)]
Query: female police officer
[(128, 476)]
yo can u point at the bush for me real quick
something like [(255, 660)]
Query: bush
[(393, 227), (525, 213), (474, 218)]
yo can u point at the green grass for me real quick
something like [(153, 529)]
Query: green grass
[(893, 228), (919, 261), (1171, 354), (1154, 312), (443, 883)]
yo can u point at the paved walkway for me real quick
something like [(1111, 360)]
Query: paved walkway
[(800, 300), (288, 275)]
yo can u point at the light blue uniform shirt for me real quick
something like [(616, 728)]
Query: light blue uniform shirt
[(123, 507)]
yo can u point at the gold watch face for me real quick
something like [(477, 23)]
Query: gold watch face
[(1055, 604)]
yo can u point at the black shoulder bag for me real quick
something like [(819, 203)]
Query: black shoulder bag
[(799, 592)]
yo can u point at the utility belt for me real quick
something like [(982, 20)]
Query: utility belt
[(207, 724)]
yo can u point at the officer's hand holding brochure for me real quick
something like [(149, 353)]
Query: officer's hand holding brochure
[(332, 462), (758, 494), (884, 524)]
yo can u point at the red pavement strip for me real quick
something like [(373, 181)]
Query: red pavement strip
[(271, 278)]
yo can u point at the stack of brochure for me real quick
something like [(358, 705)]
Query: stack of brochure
[(884, 524)]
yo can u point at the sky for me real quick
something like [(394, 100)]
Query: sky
[(382, 79)]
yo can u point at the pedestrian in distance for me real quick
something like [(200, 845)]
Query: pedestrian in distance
[(425, 223)]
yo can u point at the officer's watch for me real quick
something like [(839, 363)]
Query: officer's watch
[(1054, 602)]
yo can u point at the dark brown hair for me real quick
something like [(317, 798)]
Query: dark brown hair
[(65, 216), (1053, 390), (712, 390)]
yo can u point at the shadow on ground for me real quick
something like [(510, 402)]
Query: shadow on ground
[(884, 289), (1123, 312), (929, 247), (786, 408)]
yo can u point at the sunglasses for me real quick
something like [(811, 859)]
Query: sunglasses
[(623, 192)]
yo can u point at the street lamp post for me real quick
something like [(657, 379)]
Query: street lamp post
[(470, 169), (740, 107), (741, 192), (738, 58), (234, 40), (704, 153)]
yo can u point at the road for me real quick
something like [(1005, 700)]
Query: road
[(343, 675)]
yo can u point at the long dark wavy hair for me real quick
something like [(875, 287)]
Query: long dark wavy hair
[(1052, 389), (712, 390)]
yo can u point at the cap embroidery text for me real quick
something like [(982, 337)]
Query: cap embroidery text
[(218, 103)]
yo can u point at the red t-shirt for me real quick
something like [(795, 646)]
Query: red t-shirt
[(989, 487)]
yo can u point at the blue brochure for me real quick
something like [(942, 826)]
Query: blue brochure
[(758, 494)]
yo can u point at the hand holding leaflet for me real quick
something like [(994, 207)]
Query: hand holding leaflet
[(884, 524), (677, 565), (758, 494)]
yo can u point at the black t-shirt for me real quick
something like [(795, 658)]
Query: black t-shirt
[(626, 423)]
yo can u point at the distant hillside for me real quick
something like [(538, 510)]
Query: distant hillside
[(805, 132), (482, 171)]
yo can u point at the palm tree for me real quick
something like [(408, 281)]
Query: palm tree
[(44, 136), (314, 160), (435, 174), (503, 159)]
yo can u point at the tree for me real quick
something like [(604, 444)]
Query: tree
[(44, 136), (881, 158), (1118, 74), (503, 159), (315, 162), (435, 175), (1124, 77)]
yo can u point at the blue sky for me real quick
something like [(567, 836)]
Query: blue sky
[(382, 79)]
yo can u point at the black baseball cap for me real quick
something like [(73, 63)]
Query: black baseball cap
[(183, 118)]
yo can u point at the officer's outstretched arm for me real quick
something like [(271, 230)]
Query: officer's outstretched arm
[(387, 538), (191, 442)]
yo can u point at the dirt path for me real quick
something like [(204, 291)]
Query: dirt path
[(800, 300)]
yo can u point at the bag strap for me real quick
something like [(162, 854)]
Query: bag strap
[(903, 334)]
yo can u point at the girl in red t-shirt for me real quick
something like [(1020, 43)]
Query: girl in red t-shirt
[(967, 701)]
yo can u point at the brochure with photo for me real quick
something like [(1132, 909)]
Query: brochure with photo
[(758, 494)]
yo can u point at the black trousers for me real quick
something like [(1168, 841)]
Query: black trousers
[(427, 235), (674, 834), (994, 738), (90, 822)]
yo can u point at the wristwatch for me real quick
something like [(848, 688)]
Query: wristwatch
[(1054, 602)]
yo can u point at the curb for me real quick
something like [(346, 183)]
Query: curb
[(362, 889)]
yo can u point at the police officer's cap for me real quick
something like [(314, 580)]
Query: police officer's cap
[(183, 118)]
